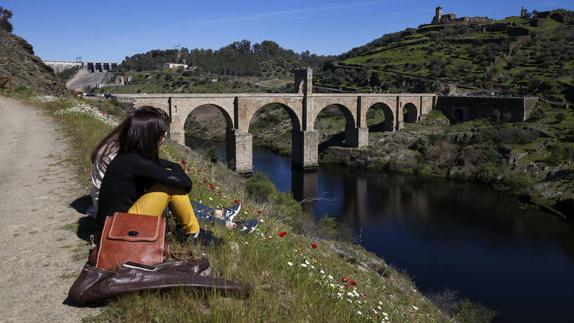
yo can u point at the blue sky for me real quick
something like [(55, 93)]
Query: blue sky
[(110, 30)]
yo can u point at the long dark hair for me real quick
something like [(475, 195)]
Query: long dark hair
[(143, 131), (139, 132)]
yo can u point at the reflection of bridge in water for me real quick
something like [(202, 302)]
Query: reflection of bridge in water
[(303, 108)]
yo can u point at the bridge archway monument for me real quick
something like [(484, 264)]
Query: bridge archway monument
[(303, 107)]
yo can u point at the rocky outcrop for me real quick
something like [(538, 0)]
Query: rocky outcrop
[(21, 67)]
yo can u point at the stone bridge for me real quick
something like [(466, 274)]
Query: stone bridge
[(303, 108)]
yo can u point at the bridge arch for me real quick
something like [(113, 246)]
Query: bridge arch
[(350, 121), (374, 114), (410, 113), (208, 122), (295, 122), (348, 135)]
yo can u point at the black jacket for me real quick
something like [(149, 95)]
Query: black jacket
[(127, 178)]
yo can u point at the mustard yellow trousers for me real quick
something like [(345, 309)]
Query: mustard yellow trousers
[(158, 197)]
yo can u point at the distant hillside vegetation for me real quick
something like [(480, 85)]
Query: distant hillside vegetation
[(265, 59), (25, 70), (511, 56)]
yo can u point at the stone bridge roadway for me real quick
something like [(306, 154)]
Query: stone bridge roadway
[(303, 108)]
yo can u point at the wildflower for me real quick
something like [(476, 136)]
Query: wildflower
[(236, 201), (211, 186), (359, 312), (210, 198), (416, 308), (183, 161), (352, 282), (344, 279), (260, 212), (330, 277), (282, 234), (314, 245), (290, 263), (304, 265), (322, 271)]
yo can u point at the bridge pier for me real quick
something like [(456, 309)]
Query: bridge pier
[(400, 123), (304, 148), (357, 137), (239, 147)]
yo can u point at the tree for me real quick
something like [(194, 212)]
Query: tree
[(5, 16), (374, 80)]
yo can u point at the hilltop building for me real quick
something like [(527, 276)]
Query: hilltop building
[(175, 65), (524, 13), (441, 18)]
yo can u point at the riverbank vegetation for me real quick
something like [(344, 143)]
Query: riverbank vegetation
[(299, 270)]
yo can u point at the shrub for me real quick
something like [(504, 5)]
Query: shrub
[(260, 188), (536, 115), (560, 116), (486, 173)]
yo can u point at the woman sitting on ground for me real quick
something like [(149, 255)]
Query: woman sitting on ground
[(136, 180)]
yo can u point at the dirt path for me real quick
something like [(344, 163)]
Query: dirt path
[(37, 185)]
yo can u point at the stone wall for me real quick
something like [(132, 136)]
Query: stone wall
[(465, 108)]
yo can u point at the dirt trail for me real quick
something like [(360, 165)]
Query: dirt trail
[(37, 185)]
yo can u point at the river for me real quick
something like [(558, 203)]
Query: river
[(447, 235)]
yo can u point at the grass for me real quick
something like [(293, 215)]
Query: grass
[(291, 280)]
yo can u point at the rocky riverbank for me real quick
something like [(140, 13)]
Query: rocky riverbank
[(531, 159)]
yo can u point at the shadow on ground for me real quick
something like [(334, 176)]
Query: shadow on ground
[(87, 226)]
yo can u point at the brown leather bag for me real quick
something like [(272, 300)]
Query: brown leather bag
[(95, 285), (131, 237)]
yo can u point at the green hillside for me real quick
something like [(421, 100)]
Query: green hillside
[(511, 56), (238, 67)]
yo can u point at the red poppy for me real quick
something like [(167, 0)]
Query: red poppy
[(183, 161), (282, 234), (314, 245), (344, 279), (211, 186), (236, 201), (352, 282)]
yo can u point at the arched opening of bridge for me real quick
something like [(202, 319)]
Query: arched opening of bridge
[(335, 125), (380, 118), (274, 127), (208, 128), (458, 116), (410, 113)]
